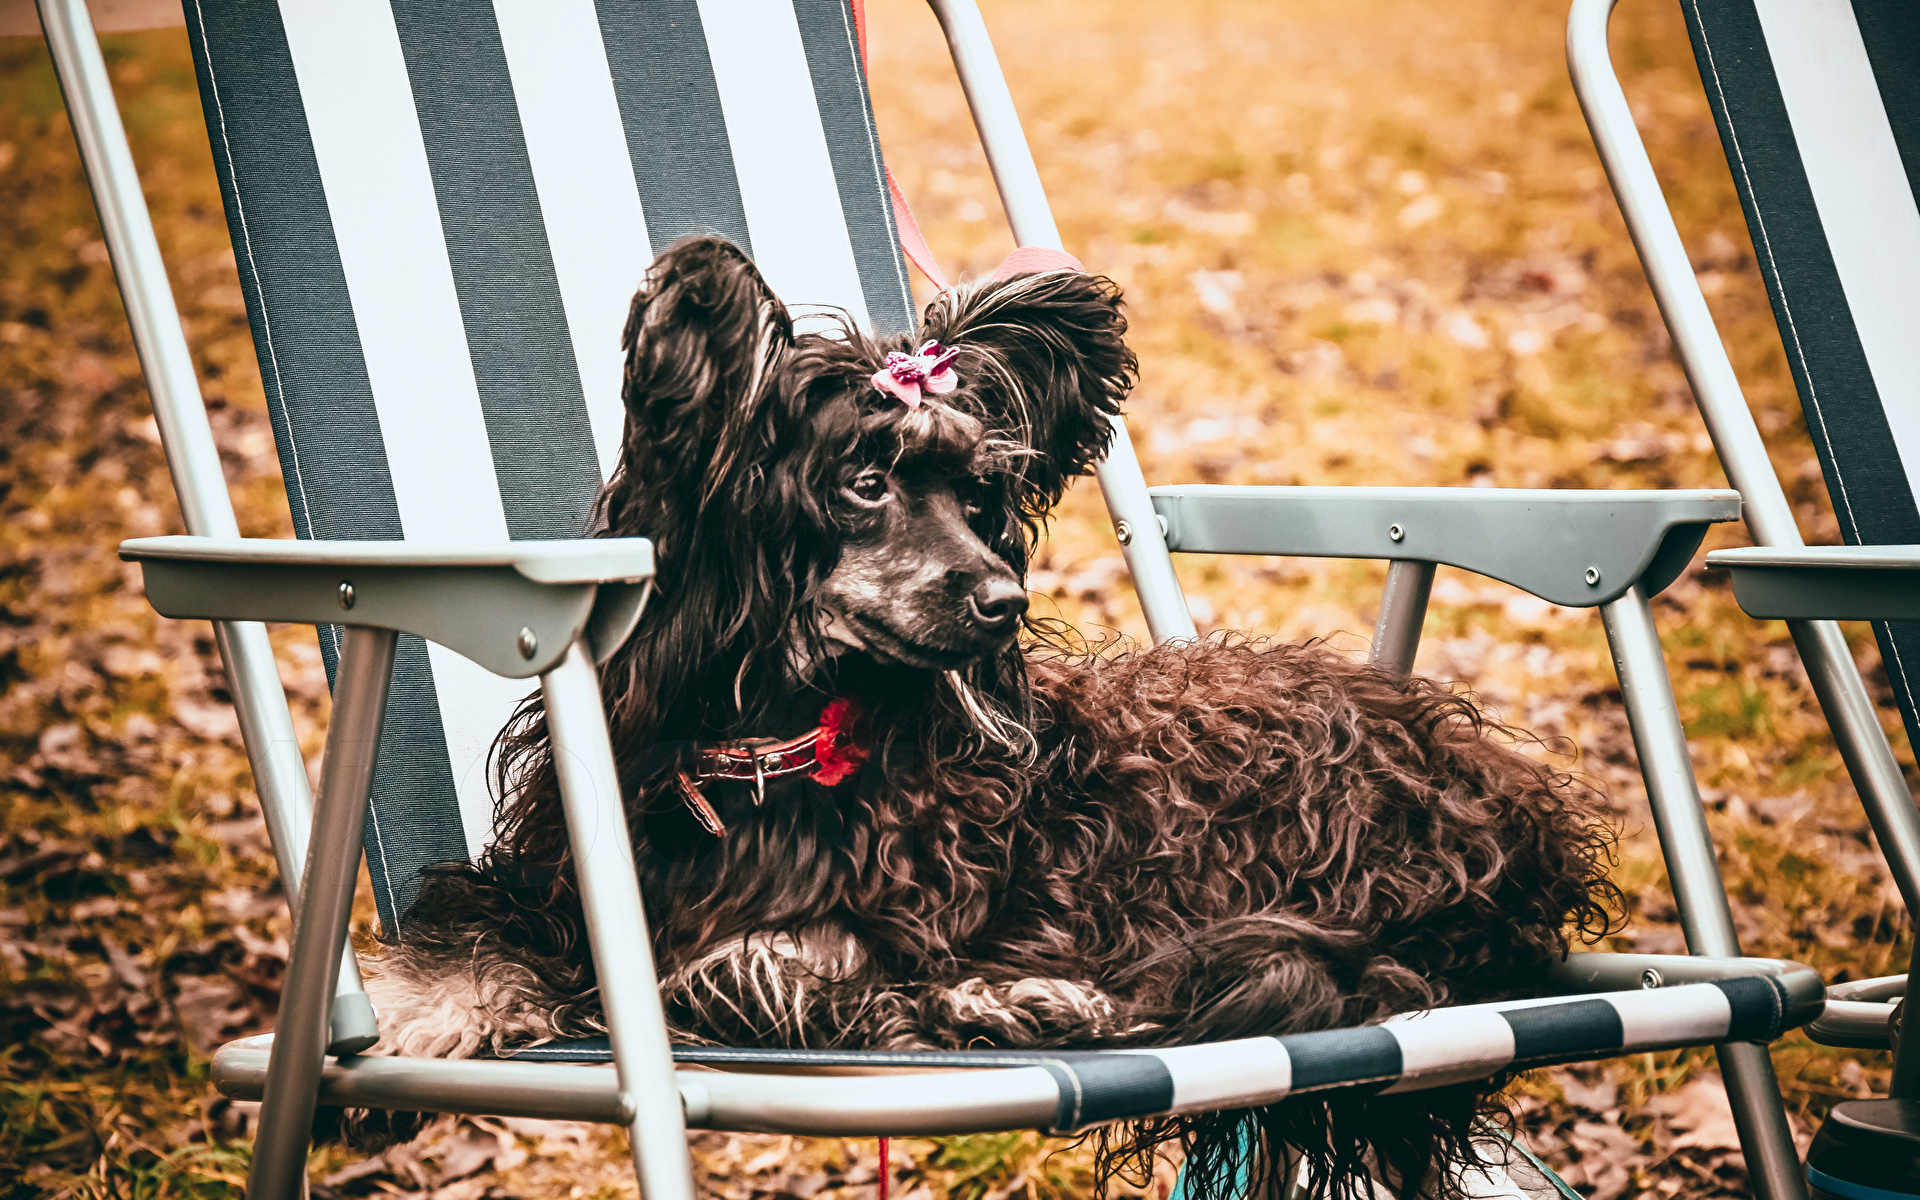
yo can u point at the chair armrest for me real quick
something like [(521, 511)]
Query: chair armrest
[(1577, 548), (512, 607), (1825, 583)]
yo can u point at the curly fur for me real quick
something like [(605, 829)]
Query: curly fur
[(1198, 841)]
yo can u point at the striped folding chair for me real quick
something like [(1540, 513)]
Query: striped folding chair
[(1818, 106), (439, 212)]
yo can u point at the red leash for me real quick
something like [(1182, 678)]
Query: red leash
[(886, 1168)]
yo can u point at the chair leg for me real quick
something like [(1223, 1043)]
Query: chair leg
[(1701, 896), (1880, 785), (280, 781), (1403, 607), (302, 1031), (617, 926)]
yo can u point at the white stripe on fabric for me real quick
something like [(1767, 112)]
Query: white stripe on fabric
[(1696, 1012), (787, 185), (588, 199), (1250, 1071), (474, 705), (386, 220), (1443, 1046), (1860, 188), (359, 107)]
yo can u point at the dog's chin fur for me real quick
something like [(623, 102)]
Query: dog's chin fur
[(1198, 841), (886, 645)]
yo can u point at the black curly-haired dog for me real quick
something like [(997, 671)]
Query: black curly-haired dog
[(954, 839)]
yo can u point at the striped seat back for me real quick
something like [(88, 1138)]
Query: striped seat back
[(1818, 103), (440, 210)]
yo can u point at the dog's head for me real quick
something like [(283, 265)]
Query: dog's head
[(799, 506)]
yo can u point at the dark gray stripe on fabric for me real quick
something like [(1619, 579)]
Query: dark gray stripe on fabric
[(1109, 1087), (414, 819), (676, 130), (516, 325), (1581, 1029), (1891, 31), (1858, 456), (1337, 1056), (318, 395), (853, 146), (1759, 1004)]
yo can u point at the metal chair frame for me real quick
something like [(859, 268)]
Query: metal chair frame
[(1843, 697), (317, 845)]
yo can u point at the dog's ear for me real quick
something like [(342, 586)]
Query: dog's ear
[(701, 340), (1044, 359), (724, 465)]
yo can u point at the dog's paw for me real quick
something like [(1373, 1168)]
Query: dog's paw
[(773, 989), (367, 1130), (1021, 1014), (455, 1009)]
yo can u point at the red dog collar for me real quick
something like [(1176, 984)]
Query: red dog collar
[(824, 752)]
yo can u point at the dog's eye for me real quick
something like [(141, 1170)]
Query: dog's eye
[(869, 486), (973, 495)]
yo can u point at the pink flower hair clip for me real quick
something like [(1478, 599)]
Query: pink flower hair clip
[(906, 376)]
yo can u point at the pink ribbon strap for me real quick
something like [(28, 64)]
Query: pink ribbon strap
[(1029, 260), (906, 376)]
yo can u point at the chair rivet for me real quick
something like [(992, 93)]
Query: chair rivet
[(529, 644), (1593, 576), (1125, 531), (1651, 978), (346, 594), (1395, 532)]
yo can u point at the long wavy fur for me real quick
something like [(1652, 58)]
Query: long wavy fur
[(1209, 840)]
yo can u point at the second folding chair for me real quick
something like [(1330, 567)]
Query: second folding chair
[(1819, 115)]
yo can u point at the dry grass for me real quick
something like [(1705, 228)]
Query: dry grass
[(1364, 242)]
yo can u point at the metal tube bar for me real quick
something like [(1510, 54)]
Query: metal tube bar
[(1858, 1024), (326, 905), (617, 925), (1753, 1092), (1863, 745), (1705, 916), (280, 777), (1687, 846), (1878, 779), (138, 268), (1715, 386), (1836, 680), (273, 751), (1143, 540), (916, 1103), (1905, 1083), (1025, 200), (1588, 971), (1403, 607), (1008, 154)]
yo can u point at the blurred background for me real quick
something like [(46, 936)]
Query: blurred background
[(1362, 242)]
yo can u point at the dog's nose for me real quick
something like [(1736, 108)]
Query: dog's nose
[(998, 604)]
